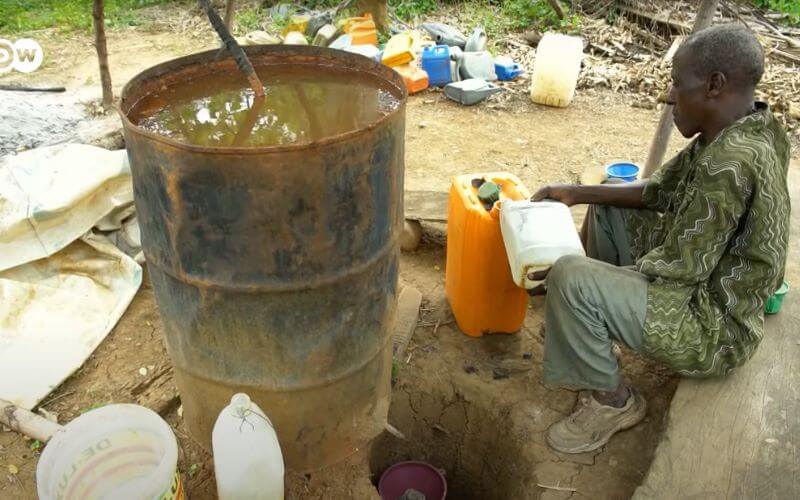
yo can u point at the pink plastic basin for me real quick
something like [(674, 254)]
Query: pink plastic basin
[(420, 476)]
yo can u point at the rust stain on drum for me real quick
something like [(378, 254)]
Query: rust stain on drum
[(275, 268)]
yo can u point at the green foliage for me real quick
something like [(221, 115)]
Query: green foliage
[(395, 371), (501, 16), (487, 15), (320, 4), (497, 16), (409, 9), (29, 15), (524, 13), (250, 19), (790, 7)]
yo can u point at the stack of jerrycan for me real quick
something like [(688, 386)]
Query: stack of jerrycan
[(399, 50), (362, 30), (400, 54), (478, 281)]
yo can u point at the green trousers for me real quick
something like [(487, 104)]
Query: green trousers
[(591, 302)]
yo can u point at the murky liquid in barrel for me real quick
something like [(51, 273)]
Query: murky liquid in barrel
[(300, 106)]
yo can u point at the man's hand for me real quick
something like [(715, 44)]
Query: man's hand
[(565, 193), (540, 289)]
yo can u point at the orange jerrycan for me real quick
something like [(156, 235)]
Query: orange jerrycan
[(478, 279), (361, 29), (415, 78)]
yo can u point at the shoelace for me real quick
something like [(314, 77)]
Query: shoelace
[(584, 415)]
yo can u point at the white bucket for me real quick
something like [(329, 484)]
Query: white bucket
[(120, 452)]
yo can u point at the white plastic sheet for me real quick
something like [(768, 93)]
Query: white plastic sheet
[(63, 286)]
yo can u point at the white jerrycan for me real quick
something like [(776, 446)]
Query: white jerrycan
[(536, 235), (556, 69), (247, 456)]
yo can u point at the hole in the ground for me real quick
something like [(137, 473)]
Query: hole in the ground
[(481, 457)]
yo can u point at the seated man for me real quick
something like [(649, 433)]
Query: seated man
[(698, 266)]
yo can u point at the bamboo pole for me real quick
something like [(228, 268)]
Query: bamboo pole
[(658, 147)]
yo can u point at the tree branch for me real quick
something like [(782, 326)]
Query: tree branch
[(557, 8), (98, 18)]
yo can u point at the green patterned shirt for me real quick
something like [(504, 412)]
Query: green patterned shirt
[(718, 251)]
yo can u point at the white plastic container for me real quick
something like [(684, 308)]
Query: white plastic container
[(536, 234), (556, 69), (368, 51), (119, 452), (247, 456)]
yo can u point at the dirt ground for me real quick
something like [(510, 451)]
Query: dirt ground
[(473, 407)]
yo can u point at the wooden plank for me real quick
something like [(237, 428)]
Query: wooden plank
[(428, 206), (739, 436), (407, 313)]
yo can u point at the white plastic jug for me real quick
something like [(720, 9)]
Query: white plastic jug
[(119, 452), (556, 69), (536, 234), (247, 456)]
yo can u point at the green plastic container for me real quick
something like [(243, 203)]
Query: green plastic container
[(775, 302)]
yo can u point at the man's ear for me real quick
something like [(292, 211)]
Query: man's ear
[(716, 84)]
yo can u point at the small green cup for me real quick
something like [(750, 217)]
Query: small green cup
[(775, 302)]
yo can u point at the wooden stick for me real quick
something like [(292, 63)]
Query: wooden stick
[(665, 22), (344, 5), (776, 33), (661, 139), (556, 488), (230, 7), (785, 55), (249, 122), (27, 423), (557, 8), (25, 88), (233, 48), (98, 18), (394, 431)]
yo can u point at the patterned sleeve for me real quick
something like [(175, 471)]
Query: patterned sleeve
[(659, 192), (714, 202)]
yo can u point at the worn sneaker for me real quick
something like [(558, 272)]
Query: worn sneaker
[(593, 424)]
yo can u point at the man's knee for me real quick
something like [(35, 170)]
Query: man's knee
[(568, 271)]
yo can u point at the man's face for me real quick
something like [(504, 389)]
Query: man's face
[(688, 95)]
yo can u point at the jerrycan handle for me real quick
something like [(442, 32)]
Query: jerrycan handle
[(441, 50)]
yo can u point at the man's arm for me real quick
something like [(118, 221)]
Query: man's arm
[(655, 193), (627, 195)]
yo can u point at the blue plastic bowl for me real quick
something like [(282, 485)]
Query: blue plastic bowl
[(627, 172)]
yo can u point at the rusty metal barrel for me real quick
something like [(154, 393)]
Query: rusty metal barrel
[(275, 268)]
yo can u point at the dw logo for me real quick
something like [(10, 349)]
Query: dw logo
[(25, 55)]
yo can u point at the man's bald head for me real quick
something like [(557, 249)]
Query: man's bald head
[(730, 49)]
